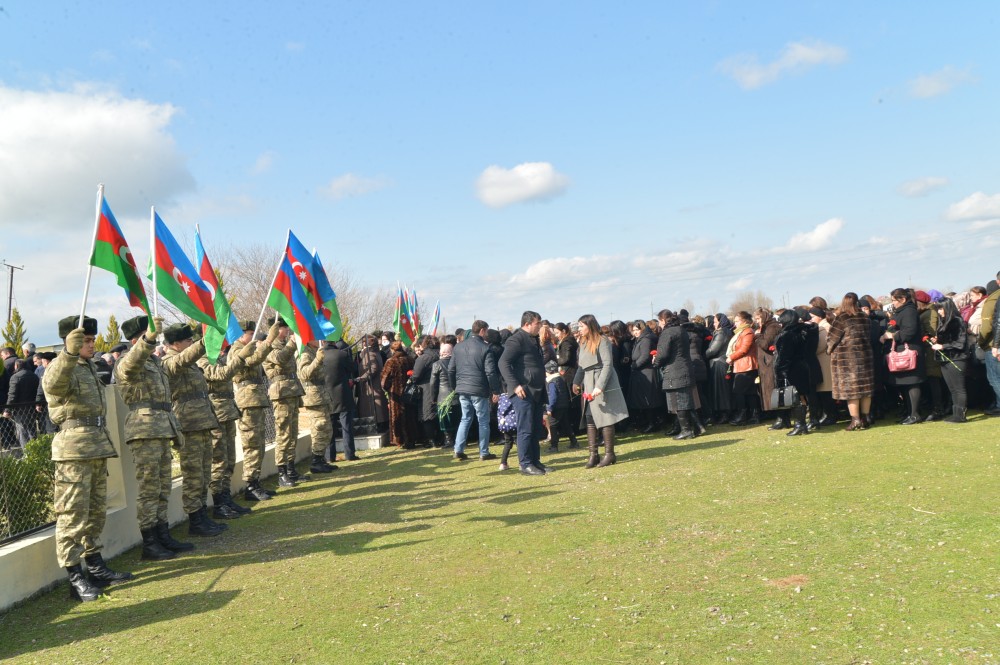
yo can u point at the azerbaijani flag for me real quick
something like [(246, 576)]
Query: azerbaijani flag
[(328, 299), (303, 269), (111, 253), (177, 280), (215, 340), (415, 314), (291, 302), (401, 321), (436, 320)]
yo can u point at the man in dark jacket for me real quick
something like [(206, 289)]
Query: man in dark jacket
[(473, 372), (8, 356), (21, 396), (523, 372), (341, 370)]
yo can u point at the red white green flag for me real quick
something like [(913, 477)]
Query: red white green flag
[(111, 253)]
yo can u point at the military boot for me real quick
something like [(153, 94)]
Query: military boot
[(285, 480), (254, 492), (100, 574), (162, 531), (222, 526), (594, 458), (293, 473), (152, 548), (319, 465), (197, 525), (609, 447), (80, 587), (221, 510), (227, 497)]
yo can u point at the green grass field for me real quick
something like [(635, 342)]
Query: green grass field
[(742, 546)]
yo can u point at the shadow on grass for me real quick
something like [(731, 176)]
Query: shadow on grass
[(49, 630), (668, 449), (518, 520)]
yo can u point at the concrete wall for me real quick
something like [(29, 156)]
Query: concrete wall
[(28, 566)]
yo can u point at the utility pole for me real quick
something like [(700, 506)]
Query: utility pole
[(10, 288)]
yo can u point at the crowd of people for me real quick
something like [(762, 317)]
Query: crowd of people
[(921, 356)]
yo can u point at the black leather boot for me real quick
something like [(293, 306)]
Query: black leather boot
[(319, 465), (697, 424), (739, 418), (781, 422), (285, 480), (222, 526), (197, 525), (572, 440), (227, 497), (162, 530), (676, 428), (221, 510), (254, 492), (684, 418), (957, 415), (799, 426), (609, 447), (592, 447), (152, 548), (293, 473), (100, 574), (80, 587)]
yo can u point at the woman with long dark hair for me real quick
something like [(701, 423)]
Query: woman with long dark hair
[(951, 345), (791, 365), (718, 369), (596, 379), (904, 331), (645, 398)]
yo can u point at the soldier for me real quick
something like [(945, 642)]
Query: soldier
[(285, 392), (80, 450), (251, 398), (192, 409), (220, 393), (150, 428), (316, 404)]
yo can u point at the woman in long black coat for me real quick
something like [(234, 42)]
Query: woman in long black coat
[(720, 387), (951, 344), (791, 365), (645, 397), (904, 330), (422, 366), (673, 358)]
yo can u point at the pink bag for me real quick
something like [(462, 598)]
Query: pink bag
[(901, 361)]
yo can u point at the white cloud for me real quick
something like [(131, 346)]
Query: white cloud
[(939, 82), (796, 57), (818, 238), (975, 207), (498, 187), (739, 284), (265, 161), (984, 224), (921, 186), (57, 147), (350, 185)]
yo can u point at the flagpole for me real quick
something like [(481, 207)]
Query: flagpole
[(93, 244), (152, 257), (273, 279)]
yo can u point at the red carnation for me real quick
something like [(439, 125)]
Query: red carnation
[(892, 322), (653, 352), (708, 338), (588, 397), (409, 372), (728, 376), (924, 338), (771, 348)]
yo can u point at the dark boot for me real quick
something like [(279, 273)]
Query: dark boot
[(80, 587), (221, 510), (254, 492), (684, 418), (449, 442), (957, 415), (285, 480), (319, 465), (162, 530), (197, 525), (739, 418), (572, 440), (697, 424), (293, 473), (676, 429), (592, 447), (152, 548), (100, 574), (754, 418), (227, 497), (781, 422), (609, 447), (799, 426), (222, 526)]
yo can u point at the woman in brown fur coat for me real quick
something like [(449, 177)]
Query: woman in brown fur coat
[(394, 376), (848, 343)]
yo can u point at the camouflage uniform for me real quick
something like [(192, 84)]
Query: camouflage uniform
[(222, 397), (150, 428), (80, 450), (285, 392), (316, 403), (251, 398), (193, 411)]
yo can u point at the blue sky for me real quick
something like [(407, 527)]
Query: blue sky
[(563, 157)]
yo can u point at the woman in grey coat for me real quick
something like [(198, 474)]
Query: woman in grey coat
[(596, 379)]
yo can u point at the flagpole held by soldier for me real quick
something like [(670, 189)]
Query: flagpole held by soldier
[(286, 393), (251, 398)]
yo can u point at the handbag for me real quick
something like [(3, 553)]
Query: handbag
[(412, 394), (785, 397), (901, 361), (506, 415)]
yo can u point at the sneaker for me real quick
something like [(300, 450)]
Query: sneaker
[(503, 466), (461, 456), (487, 457)]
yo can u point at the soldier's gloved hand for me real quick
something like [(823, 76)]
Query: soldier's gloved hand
[(151, 333), (321, 352), (74, 341), (247, 350), (291, 342), (272, 333)]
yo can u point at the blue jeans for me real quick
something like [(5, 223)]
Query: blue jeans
[(993, 375), (529, 430), (480, 407)]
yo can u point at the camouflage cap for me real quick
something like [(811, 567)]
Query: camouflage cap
[(135, 327), (177, 333), (281, 322), (71, 323)]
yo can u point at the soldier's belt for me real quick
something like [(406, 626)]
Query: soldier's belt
[(156, 406), (250, 382), (87, 421), (190, 397)]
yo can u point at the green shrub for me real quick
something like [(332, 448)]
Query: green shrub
[(26, 488)]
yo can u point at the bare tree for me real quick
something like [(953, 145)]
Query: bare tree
[(748, 301)]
